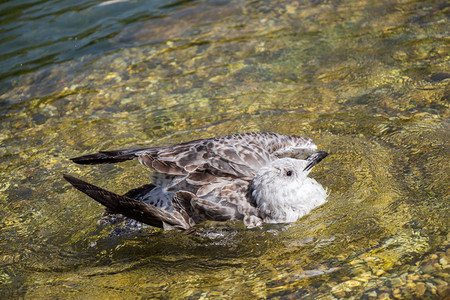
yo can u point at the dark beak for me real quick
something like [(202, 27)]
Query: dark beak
[(314, 159)]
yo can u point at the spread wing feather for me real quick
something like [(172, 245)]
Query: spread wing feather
[(129, 207), (239, 155)]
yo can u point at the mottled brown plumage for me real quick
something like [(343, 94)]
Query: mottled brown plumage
[(209, 179)]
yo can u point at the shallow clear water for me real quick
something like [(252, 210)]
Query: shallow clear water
[(367, 80)]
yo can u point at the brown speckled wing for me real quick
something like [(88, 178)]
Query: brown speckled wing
[(239, 156), (219, 157)]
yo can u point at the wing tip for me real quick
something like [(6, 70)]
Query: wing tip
[(72, 179), (103, 157)]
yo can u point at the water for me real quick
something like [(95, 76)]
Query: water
[(368, 81)]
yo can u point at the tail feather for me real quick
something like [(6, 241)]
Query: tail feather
[(107, 157), (129, 207)]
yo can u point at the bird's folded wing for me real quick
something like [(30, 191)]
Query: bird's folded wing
[(196, 210)]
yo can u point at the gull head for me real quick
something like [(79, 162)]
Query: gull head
[(283, 192)]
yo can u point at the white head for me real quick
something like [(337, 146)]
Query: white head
[(283, 192)]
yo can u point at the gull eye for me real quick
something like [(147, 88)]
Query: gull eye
[(289, 173)]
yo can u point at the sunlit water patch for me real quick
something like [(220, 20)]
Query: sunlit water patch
[(368, 81)]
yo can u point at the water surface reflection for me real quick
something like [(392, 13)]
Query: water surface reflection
[(367, 81)]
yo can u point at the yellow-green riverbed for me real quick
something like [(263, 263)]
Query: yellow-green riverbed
[(367, 80)]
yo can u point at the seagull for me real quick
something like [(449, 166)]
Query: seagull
[(252, 177)]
